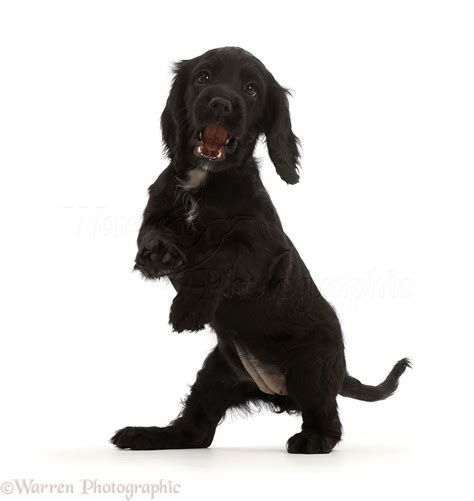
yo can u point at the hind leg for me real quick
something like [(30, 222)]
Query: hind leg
[(321, 431), (314, 388)]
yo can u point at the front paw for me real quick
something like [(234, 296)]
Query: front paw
[(158, 259), (190, 314), (141, 438)]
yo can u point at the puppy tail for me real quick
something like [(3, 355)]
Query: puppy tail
[(353, 388)]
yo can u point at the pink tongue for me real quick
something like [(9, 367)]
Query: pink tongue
[(214, 136)]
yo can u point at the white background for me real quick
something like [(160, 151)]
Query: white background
[(383, 104)]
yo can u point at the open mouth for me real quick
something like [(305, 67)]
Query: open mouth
[(212, 142)]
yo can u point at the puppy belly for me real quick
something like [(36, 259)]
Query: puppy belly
[(268, 379)]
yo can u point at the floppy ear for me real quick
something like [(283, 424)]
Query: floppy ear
[(283, 145), (173, 118)]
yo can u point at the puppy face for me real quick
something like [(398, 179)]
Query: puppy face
[(219, 104)]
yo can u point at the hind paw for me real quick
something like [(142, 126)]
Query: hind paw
[(308, 442)]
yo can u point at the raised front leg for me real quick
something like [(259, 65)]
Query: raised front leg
[(215, 390), (160, 252), (191, 311), (157, 256)]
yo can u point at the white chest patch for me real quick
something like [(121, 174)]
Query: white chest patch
[(195, 178)]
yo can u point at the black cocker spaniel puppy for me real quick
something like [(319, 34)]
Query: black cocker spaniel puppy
[(211, 228)]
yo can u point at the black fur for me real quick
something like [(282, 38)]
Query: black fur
[(235, 269)]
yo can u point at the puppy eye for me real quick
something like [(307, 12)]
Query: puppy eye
[(251, 89), (204, 77)]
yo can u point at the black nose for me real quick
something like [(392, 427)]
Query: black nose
[(220, 105)]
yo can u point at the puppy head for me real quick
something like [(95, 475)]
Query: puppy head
[(219, 104)]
